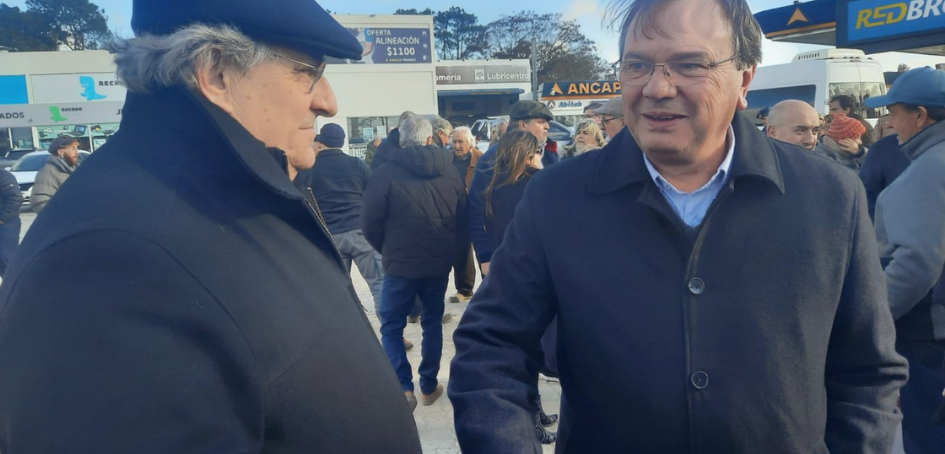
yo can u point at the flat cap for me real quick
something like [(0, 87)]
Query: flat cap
[(299, 25), (525, 110), (612, 108)]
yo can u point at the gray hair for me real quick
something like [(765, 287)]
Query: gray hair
[(441, 125), (152, 62), (415, 131), (466, 132), (407, 114)]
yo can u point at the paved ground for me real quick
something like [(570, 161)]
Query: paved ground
[(435, 423)]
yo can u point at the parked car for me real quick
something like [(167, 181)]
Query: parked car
[(11, 156), (26, 167)]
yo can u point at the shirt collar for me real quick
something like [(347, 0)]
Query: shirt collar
[(720, 174)]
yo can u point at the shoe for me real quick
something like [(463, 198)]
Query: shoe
[(428, 399), (546, 420), (447, 318), (544, 436), (413, 319), (411, 400), (407, 344), (460, 298)]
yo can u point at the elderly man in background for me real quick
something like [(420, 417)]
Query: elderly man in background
[(715, 291), (465, 158), (910, 228), (794, 121), (203, 308), (611, 116)]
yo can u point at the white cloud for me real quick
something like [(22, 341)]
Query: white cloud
[(581, 8)]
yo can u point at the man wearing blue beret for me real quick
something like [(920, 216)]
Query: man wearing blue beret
[(199, 305), (910, 228)]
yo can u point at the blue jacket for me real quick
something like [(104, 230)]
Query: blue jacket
[(766, 331)]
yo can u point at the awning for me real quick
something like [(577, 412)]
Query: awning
[(481, 91)]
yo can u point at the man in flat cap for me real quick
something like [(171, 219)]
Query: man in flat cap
[(205, 308), (526, 115), (611, 116)]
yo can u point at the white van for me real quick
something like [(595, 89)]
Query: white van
[(817, 76)]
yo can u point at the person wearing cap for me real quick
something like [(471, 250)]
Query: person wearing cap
[(611, 116), (531, 116), (843, 142), (198, 302), (716, 291), (762, 117), (910, 229), (64, 160), (794, 121)]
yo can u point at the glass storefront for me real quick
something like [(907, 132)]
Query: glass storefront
[(91, 137), (363, 130)]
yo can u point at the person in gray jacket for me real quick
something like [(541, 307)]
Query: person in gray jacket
[(64, 159), (910, 228)]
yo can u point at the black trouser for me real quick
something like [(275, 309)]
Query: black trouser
[(464, 272)]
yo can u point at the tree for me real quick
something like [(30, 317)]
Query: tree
[(902, 68), (77, 24), (562, 50), (24, 30), (458, 34), (414, 12)]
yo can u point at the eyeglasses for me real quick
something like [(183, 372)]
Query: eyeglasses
[(607, 120), (679, 73), (315, 72)]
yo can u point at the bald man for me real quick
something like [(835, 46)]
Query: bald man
[(794, 121)]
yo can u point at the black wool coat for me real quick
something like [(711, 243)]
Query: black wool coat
[(414, 212), (179, 295), (766, 332)]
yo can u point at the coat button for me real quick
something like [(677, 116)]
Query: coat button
[(696, 286), (700, 380)]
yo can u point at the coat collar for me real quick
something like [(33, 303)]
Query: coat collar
[(925, 139), (622, 164), (215, 142)]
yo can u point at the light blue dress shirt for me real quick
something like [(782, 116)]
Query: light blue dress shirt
[(692, 206)]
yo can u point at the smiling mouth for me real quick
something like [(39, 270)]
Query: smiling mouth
[(663, 117)]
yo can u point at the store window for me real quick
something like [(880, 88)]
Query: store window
[(22, 138), (363, 130), (861, 91)]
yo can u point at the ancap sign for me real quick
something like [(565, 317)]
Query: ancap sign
[(590, 89), (484, 74)]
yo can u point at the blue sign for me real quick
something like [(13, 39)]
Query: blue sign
[(870, 20), (581, 89), (391, 45), (13, 90), (804, 16)]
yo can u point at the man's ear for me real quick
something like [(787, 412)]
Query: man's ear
[(215, 83), (769, 130), (747, 77), (430, 140)]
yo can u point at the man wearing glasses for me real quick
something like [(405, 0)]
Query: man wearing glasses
[(715, 291), (611, 116), (198, 303)]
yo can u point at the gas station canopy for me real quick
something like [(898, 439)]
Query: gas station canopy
[(870, 25)]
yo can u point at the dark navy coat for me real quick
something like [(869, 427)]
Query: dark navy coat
[(766, 332), (180, 295)]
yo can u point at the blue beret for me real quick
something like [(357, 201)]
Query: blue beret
[(299, 25)]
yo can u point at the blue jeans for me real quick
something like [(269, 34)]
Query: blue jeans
[(396, 304), (921, 396)]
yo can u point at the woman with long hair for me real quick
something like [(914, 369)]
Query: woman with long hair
[(587, 136), (518, 158)]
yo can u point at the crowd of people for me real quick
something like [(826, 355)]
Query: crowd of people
[(695, 284)]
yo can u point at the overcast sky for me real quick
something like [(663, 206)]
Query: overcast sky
[(589, 13)]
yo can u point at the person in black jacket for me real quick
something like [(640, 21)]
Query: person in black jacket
[(716, 291), (204, 308), (337, 182), (414, 213), (11, 199), (383, 153), (883, 164)]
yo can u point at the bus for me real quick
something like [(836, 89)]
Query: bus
[(817, 76)]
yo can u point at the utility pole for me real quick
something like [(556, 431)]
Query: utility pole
[(534, 70)]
